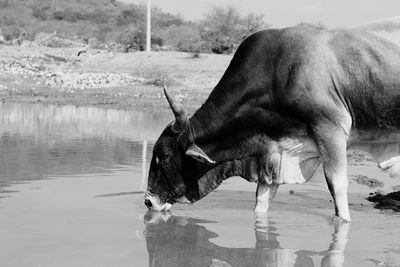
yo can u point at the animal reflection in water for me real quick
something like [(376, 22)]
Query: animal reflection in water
[(180, 241)]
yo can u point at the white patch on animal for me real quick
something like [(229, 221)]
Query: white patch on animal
[(299, 161)]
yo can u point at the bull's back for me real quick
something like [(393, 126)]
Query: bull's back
[(368, 73)]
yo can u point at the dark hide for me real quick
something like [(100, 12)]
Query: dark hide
[(255, 159)]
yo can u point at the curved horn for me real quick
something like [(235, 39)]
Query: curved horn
[(178, 110)]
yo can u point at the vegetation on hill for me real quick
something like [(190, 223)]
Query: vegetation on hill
[(101, 22)]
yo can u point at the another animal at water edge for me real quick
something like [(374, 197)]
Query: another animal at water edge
[(289, 100)]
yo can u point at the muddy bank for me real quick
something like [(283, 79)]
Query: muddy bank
[(385, 202), (108, 79)]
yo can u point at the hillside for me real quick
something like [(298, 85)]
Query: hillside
[(104, 22)]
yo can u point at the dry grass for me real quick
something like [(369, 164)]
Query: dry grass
[(174, 68)]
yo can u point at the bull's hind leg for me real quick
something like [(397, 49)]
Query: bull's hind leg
[(265, 193), (331, 142)]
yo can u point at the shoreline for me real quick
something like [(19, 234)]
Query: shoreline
[(143, 97)]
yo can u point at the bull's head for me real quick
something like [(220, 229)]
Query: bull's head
[(182, 172), (174, 166)]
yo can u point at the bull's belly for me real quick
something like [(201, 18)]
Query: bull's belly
[(300, 157)]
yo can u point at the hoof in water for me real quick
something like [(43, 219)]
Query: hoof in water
[(260, 208), (334, 219)]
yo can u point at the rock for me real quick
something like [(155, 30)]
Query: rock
[(389, 201), (52, 75), (365, 180), (219, 263)]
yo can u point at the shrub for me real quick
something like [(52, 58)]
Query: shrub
[(317, 25), (133, 15), (8, 20), (217, 43), (41, 13), (99, 16), (224, 28), (192, 46), (72, 16), (133, 38), (165, 20), (157, 40), (58, 15), (185, 38), (4, 3), (11, 32), (51, 40)]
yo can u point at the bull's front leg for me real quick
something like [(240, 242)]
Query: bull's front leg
[(332, 142), (265, 193)]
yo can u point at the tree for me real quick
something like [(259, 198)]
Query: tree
[(224, 28), (133, 38)]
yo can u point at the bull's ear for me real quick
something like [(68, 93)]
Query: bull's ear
[(198, 154)]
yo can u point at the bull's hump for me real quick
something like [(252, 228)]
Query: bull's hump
[(388, 28), (387, 24)]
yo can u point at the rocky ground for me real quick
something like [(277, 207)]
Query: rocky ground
[(82, 76)]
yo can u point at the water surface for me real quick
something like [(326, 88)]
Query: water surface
[(71, 181)]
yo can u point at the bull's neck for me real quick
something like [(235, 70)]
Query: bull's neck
[(213, 115), (225, 112), (215, 176)]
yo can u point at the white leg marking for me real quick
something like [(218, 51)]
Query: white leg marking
[(339, 184), (343, 205), (264, 195)]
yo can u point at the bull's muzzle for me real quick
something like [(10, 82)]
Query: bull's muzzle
[(153, 202)]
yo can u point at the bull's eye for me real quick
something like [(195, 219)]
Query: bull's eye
[(161, 160)]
